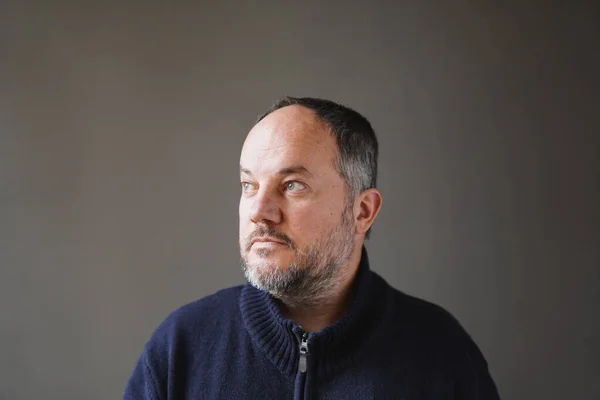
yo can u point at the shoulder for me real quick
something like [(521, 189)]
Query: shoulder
[(200, 315), (431, 337), (421, 313), (422, 321), (433, 330), (171, 352), (218, 302), (194, 323)]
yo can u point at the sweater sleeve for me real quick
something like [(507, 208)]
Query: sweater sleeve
[(142, 383), (473, 379)]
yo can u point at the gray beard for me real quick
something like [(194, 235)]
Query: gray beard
[(314, 275)]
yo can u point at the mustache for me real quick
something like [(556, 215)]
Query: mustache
[(265, 231)]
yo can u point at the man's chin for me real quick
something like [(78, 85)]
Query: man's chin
[(269, 262), (263, 274), (272, 253)]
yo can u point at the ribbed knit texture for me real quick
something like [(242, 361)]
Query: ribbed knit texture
[(236, 344), (335, 346)]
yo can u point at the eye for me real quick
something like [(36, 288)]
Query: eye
[(247, 187), (294, 186)]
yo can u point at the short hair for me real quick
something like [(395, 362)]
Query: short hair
[(357, 145)]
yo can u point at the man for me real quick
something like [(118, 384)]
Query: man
[(314, 322)]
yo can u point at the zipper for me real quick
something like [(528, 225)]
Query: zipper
[(303, 352)]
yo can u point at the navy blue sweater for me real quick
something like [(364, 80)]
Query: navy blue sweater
[(236, 344)]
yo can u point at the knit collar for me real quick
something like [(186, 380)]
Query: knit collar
[(332, 348)]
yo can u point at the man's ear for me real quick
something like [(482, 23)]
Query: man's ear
[(367, 206)]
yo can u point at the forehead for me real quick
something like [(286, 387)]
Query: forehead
[(289, 136)]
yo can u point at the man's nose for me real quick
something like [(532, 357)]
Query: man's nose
[(265, 208)]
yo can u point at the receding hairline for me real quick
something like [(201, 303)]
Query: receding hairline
[(316, 122), (321, 132), (318, 126)]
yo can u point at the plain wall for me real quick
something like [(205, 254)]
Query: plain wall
[(120, 131)]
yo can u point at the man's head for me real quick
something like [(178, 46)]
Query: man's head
[(308, 172)]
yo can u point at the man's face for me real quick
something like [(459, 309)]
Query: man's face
[(296, 221)]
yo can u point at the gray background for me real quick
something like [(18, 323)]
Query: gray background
[(120, 131)]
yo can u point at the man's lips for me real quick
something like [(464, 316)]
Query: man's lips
[(267, 241)]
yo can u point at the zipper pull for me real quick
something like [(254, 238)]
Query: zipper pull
[(303, 352)]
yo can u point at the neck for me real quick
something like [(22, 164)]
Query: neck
[(315, 317)]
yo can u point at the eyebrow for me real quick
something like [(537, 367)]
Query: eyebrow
[(295, 169)]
